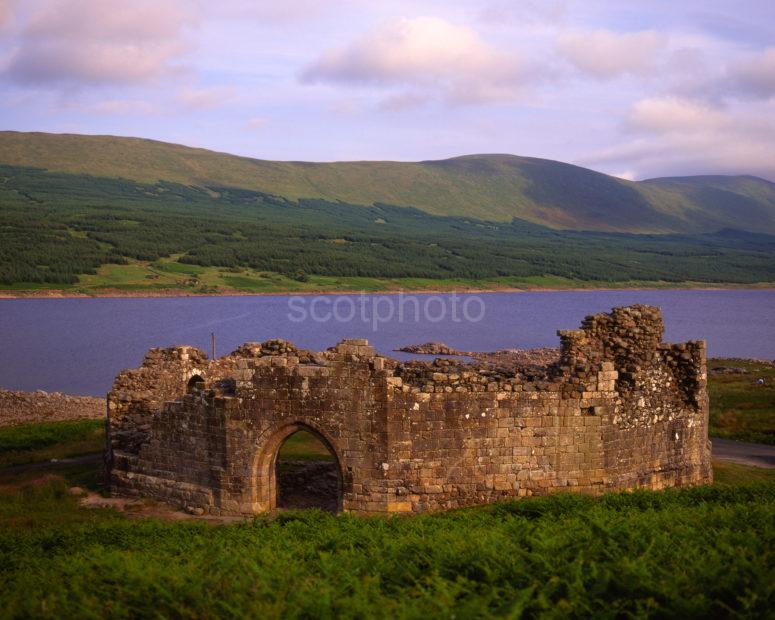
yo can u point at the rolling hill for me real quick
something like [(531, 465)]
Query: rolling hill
[(486, 187)]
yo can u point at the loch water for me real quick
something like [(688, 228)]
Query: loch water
[(78, 345)]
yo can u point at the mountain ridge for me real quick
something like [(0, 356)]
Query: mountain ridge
[(495, 187)]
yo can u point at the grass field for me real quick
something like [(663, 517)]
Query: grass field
[(739, 408), (31, 443), (695, 553), (170, 275)]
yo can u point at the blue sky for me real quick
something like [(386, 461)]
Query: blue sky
[(636, 89)]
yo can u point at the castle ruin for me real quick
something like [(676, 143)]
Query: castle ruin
[(620, 410)]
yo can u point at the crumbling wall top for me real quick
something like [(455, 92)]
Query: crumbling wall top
[(626, 335)]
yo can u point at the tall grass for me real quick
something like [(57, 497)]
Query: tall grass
[(697, 553)]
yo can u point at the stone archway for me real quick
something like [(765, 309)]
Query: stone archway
[(265, 483), (195, 382)]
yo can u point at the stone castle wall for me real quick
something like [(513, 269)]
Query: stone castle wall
[(620, 410)]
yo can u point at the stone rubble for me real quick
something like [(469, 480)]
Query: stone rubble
[(34, 407)]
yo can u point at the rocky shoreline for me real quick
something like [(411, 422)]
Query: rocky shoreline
[(508, 359), (34, 407)]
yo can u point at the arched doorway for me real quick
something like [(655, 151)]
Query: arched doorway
[(195, 383), (263, 493), (307, 473)]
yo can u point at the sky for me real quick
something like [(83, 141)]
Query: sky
[(637, 89)]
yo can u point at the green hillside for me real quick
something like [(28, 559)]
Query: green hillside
[(65, 230), (486, 187)]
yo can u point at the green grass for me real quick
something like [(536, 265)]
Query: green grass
[(27, 443), (176, 268), (35, 286), (89, 234), (177, 277), (728, 473), (695, 553), (304, 446), (740, 409), (491, 187)]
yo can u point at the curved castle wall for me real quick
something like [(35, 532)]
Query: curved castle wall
[(621, 410)]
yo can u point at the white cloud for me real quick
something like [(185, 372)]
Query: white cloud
[(605, 54), (669, 136), (673, 115), (257, 122), (121, 106), (270, 11), (424, 57), (99, 41), (627, 175), (6, 13), (500, 12), (754, 76), (204, 98)]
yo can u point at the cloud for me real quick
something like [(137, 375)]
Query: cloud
[(670, 136), (673, 115), (604, 54), (257, 122), (500, 12), (204, 98), (121, 106), (270, 10), (720, 75), (627, 175), (6, 13), (754, 76), (84, 42), (424, 57)]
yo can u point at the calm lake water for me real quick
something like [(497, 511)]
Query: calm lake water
[(78, 345)]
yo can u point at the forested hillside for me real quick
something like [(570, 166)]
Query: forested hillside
[(56, 227), (486, 187)]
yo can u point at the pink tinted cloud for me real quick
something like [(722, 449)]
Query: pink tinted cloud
[(605, 54), (205, 98), (673, 115), (6, 13), (670, 135), (755, 75), (99, 41), (425, 57), (121, 106), (257, 122)]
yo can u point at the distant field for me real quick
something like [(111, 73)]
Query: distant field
[(169, 275), (304, 446), (739, 407)]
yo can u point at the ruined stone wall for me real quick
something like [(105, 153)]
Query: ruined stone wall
[(215, 448), (620, 410)]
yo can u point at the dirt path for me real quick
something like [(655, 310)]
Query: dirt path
[(84, 459), (756, 454)]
